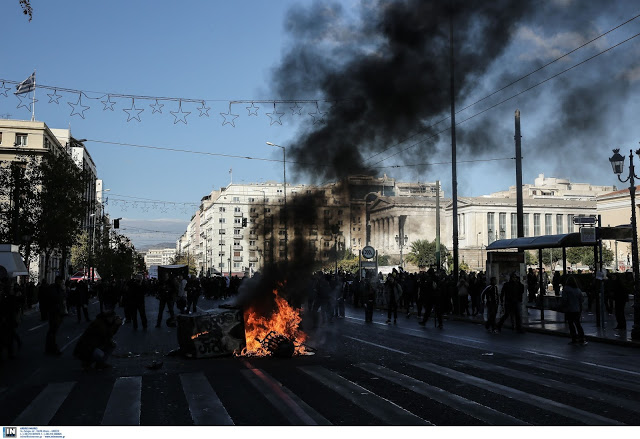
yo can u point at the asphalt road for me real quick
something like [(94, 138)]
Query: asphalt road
[(361, 374)]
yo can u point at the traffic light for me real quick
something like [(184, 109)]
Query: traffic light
[(116, 223), (244, 222)]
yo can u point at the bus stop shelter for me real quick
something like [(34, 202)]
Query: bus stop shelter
[(585, 238)]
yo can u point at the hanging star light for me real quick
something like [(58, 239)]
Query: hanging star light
[(27, 105), (157, 107), (229, 118), (253, 109), (108, 104), (297, 109), (180, 116), (75, 106), (318, 116), (130, 111), (275, 116), (54, 97), (4, 89), (204, 110)]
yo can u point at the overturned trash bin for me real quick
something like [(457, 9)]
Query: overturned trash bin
[(216, 333)]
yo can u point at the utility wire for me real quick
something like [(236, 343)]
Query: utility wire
[(503, 88), (510, 98)]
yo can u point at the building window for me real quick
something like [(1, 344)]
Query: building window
[(548, 224), (491, 227), (503, 225), (236, 199), (222, 220), (514, 225), (222, 209), (252, 242), (569, 223), (237, 231), (221, 265), (0, 137), (237, 221), (236, 209), (21, 139), (559, 224), (236, 265), (252, 200), (536, 224), (525, 224)]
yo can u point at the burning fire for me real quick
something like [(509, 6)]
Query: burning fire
[(284, 321), (193, 337)]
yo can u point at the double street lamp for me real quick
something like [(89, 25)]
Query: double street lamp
[(284, 176), (617, 163)]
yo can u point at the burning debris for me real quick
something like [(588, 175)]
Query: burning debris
[(278, 334)]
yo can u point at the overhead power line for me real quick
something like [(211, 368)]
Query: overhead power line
[(422, 131)]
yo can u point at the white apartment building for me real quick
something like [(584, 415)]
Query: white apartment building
[(159, 256)]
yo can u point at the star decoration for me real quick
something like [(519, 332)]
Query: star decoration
[(22, 104), (130, 111), (83, 108), (181, 116), (318, 116), (54, 97), (4, 89), (157, 107), (108, 104), (275, 116), (229, 118), (204, 110), (297, 109), (254, 108)]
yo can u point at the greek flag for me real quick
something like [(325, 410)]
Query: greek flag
[(27, 85)]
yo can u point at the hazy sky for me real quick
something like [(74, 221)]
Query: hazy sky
[(342, 55)]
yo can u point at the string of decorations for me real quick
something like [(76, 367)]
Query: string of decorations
[(146, 206), (81, 101)]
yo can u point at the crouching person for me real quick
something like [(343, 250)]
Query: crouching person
[(96, 343)]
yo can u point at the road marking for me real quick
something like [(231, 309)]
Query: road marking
[(292, 407), (45, 405), (37, 327), (123, 407), (527, 398), (378, 406), (204, 405), (377, 345), (584, 375), (555, 384), (471, 408)]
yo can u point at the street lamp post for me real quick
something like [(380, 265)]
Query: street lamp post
[(284, 175), (617, 163), (401, 243)]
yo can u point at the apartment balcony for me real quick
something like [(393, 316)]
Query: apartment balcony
[(253, 259), (237, 259), (253, 214), (220, 242), (253, 236), (237, 247), (237, 214), (238, 235), (221, 231), (253, 247)]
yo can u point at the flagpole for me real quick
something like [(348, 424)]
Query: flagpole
[(33, 104)]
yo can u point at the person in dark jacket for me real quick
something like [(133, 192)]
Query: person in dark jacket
[(572, 306), (490, 297), (55, 310), (511, 297), (136, 293), (620, 299), (96, 343), (193, 290)]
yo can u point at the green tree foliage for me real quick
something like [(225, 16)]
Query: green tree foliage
[(26, 8), (584, 256), (62, 205), (80, 252), (423, 253), (186, 259)]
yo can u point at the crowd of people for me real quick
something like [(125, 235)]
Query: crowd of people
[(432, 293)]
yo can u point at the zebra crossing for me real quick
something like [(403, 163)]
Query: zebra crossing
[(470, 391)]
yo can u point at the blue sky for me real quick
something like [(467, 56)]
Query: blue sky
[(224, 51)]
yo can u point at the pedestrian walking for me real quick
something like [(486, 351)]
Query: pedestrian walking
[(56, 311), (490, 298), (532, 285), (556, 281), (432, 297), (572, 306), (82, 300), (393, 294), (167, 290), (620, 299), (193, 290), (463, 294), (136, 292), (511, 298)]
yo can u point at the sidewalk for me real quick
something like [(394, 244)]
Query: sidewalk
[(553, 324)]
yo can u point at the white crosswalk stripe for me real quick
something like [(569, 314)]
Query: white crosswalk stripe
[(527, 398), (124, 403), (204, 405), (378, 406), (45, 405), (471, 408)]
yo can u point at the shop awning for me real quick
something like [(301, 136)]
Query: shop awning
[(621, 233)]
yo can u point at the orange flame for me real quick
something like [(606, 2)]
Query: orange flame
[(285, 320), (193, 337)]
